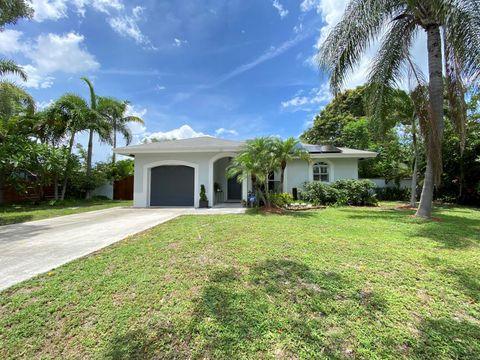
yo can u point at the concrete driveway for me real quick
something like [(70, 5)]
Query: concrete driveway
[(31, 248)]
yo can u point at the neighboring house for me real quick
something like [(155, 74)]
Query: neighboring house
[(170, 173)]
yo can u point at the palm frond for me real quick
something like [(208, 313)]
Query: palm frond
[(360, 25), (455, 89), (8, 67), (93, 96), (393, 55)]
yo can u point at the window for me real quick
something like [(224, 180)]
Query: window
[(321, 172), (273, 185)]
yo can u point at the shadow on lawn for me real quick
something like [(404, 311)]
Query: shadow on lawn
[(447, 338), (453, 232), (277, 302), (468, 280)]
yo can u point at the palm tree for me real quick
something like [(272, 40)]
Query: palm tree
[(114, 111), (285, 151), (256, 160), (97, 124), (74, 113), (400, 21)]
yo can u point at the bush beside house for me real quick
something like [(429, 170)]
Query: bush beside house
[(341, 192)]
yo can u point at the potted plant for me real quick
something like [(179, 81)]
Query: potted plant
[(203, 197)]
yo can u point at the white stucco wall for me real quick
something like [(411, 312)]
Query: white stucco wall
[(299, 171), (202, 162)]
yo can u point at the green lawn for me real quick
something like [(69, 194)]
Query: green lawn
[(364, 283), (11, 214)]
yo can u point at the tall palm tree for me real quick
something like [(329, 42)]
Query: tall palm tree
[(97, 124), (400, 21), (114, 111), (285, 151), (75, 114), (256, 160)]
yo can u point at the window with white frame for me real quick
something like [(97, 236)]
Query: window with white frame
[(321, 172)]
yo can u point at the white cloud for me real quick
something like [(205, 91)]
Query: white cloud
[(127, 26), (160, 87), (49, 54), (58, 9), (183, 132), (223, 131), (49, 9), (179, 42), (36, 79), (10, 42), (279, 7), (315, 97), (63, 53)]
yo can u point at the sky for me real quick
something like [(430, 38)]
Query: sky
[(234, 69)]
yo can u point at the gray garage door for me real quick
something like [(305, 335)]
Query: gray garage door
[(172, 186)]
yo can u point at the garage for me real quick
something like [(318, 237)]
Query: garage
[(172, 185)]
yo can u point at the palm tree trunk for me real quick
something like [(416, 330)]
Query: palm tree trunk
[(114, 140), (67, 166), (282, 177), (413, 191), (89, 160), (435, 90)]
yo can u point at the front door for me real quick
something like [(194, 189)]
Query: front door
[(234, 189)]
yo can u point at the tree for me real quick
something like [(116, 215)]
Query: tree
[(97, 124), (114, 111), (74, 113), (256, 159), (287, 150), (12, 10), (400, 21), (345, 122)]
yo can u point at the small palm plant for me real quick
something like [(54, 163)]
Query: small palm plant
[(256, 160), (285, 151)]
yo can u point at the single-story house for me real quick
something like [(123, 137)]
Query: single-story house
[(170, 173)]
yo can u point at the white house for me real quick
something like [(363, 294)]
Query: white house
[(170, 173)]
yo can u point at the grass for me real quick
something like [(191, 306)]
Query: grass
[(340, 283), (18, 213)]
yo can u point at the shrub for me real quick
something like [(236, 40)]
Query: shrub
[(203, 194), (341, 192), (393, 194), (319, 193), (356, 192), (280, 200)]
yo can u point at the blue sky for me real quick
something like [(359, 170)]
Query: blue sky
[(229, 68)]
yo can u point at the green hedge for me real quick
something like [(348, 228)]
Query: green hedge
[(341, 192)]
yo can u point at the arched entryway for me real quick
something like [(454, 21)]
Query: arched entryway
[(222, 188)]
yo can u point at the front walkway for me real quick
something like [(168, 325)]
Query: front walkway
[(31, 248)]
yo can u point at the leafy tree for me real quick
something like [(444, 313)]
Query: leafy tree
[(398, 22), (114, 111), (12, 10), (287, 150), (344, 122)]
